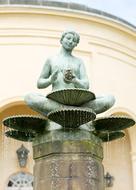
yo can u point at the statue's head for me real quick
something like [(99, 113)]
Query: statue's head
[(69, 39)]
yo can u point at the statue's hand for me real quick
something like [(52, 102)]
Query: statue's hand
[(54, 76), (74, 80), (68, 75)]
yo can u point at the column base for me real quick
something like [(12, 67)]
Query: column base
[(68, 160)]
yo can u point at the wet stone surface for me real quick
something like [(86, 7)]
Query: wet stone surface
[(69, 172)]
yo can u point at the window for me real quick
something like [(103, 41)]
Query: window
[(20, 181)]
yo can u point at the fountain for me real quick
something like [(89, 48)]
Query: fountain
[(68, 135)]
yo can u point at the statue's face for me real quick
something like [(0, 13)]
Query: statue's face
[(69, 41)]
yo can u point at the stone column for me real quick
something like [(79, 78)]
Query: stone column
[(133, 158), (68, 160)]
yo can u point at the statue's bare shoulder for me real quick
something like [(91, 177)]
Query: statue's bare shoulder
[(52, 60), (78, 61)]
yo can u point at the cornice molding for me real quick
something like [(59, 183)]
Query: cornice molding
[(102, 18), (65, 5)]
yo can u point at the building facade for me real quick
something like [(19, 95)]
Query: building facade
[(29, 33)]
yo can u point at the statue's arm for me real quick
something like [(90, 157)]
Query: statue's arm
[(45, 78), (82, 81)]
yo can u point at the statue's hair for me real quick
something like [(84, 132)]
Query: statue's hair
[(76, 35)]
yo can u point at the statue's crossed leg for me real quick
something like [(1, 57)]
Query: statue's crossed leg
[(44, 105)]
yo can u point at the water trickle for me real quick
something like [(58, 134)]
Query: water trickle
[(2, 146), (106, 148), (69, 187), (55, 178), (92, 174), (122, 149)]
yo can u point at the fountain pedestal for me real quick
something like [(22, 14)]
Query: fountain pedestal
[(68, 157), (68, 160)]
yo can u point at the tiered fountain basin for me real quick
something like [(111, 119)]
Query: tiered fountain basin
[(68, 156)]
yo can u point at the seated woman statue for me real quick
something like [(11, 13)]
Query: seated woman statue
[(64, 71)]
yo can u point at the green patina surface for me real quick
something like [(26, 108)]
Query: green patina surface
[(59, 141)]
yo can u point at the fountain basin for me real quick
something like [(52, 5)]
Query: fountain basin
[(113, 123), (72, 117), (71, 97)]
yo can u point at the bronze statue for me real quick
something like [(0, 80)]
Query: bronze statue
[(68, 155), (65, 71)]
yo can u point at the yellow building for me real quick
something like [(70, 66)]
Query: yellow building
[(29, 33)]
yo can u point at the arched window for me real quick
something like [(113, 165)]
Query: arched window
[(20, 181)]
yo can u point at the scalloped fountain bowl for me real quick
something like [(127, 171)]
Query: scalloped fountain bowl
[(110, 128), (21, 136), (110, 136), (113, 123), (24, 127), (72, 117), (26, 123), (71, 97)]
